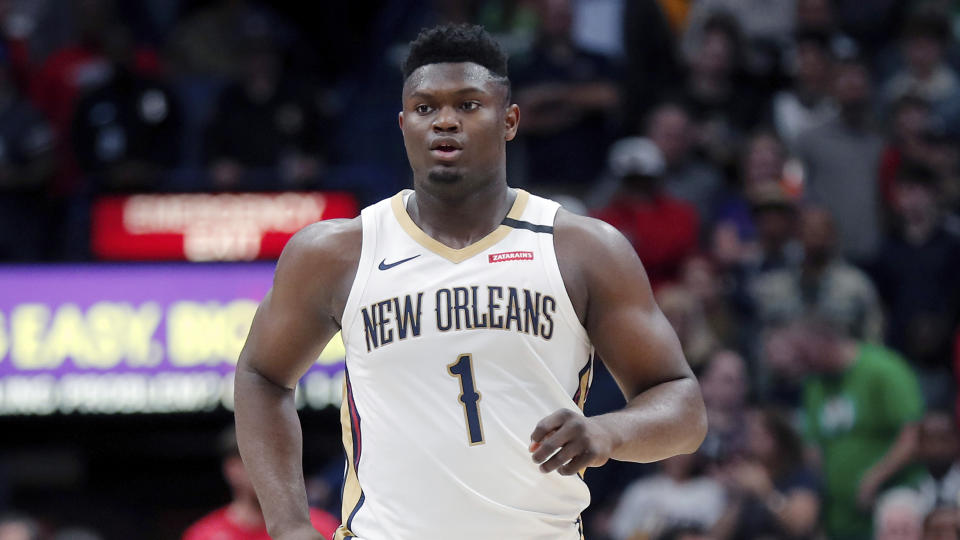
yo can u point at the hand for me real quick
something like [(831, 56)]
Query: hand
[(577, 442), (867, 491)]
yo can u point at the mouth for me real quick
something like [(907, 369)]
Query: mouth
[(446, 150)]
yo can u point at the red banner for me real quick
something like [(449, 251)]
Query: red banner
[(208, 227)]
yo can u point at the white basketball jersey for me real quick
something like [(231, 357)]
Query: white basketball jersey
[(453, 357)]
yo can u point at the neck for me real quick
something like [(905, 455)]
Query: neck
[(460, 219)]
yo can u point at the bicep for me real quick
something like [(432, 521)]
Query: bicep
[(631, 334)]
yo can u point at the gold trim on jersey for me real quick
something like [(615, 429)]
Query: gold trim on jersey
[(351, 484), (451, 254)]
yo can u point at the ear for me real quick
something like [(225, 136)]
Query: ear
[(511, 122), (400, 119)]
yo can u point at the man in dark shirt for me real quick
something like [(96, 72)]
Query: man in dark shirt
[(916, 276)]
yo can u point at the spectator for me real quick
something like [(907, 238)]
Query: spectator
[(815, 16), (806, 103), (652, 63), (725, 386), (925, 73), (938, 450), (126, 132), (847, 187), (18, 527), (242, 519), (678, 495), (898, 516), (662, 229), (916, 274), (689, 321), (909, 124), (942, 523), (824, 285), (568, 96), (684, 532), (723, 102), (861, 411), (700, 278), (265, 133), (771, 493), (26, 169), (687, 177)]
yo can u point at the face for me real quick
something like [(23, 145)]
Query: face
[(939, 442), (760, 442), (724, 383), (915, 201), (812, 64), (455, 124), (851, 85), (817, 234), (670, 131), (923, 54), (942, 524), (814, 13), (900, 523), (716, 54), (764, 161)]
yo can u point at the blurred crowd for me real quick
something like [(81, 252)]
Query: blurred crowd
[(787, 170)]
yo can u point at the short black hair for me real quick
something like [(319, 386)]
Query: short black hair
[(456, 43)]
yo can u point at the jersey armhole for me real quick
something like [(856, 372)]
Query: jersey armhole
[(567, 312), (368, 243)]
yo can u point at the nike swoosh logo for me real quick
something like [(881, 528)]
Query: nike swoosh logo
[(385, 266)]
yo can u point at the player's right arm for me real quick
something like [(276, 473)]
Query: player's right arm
[(296, 319)]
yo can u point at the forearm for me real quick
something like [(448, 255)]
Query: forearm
[(898, 456), (661, 422), (271, 444)]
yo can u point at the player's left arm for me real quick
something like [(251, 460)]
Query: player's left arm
[(664, 415)]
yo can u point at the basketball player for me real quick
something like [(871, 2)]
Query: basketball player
[(471, 313)]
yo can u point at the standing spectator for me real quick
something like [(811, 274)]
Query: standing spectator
[(806, 103), (771, 493), (678, 495), (126, 132), (686, 177), (938, 450), (242, 519), (724, 103), (847, 187), (265, 134), (824, 285), (862, 406), (926, 74), (916, 275), (725, 386), (26, 169), (568, 97), (661, 228)]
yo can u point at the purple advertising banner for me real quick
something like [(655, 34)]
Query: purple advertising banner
[(135, 338)]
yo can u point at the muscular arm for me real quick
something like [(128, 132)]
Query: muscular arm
[(294, 322), (664, 415)]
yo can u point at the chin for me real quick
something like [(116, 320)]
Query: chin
[(445, 176)]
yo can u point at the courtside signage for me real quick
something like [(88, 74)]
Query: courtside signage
[(114, 338), (208, 227), (511, 256)]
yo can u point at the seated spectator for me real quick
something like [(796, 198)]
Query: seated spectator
[(242, 519), (661, 228), (898, 516), (687, 177), (938, 450), (771, 493), (724, 104), (846, 187), (685, 313), (916, 275), (701, 278), (26, 171), (806, 103), (942, 523), (126, 132), (926, 74), (824, 285), (724, 384), (265, 134), (862, 408), (567, 96), (678, 495)]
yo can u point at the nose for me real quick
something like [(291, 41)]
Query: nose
[(446, 121)]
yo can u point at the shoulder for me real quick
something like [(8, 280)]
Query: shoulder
[(585, 238), (321, 259)]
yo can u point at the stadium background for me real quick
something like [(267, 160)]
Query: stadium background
[(155, 156)]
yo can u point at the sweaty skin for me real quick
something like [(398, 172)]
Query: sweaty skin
[(461, 196)]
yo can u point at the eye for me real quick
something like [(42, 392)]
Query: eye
[(422, 109), (470, 105)]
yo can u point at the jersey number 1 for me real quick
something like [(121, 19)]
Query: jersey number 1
[(469, 397)]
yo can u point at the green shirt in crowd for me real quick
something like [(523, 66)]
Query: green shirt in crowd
[(854, 418)]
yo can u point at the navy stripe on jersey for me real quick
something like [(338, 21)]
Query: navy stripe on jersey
[(517, 224), (359, 504), (355, 423)]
